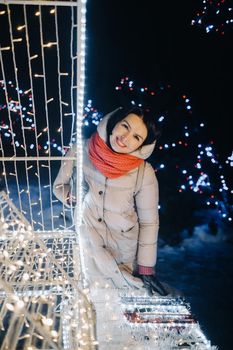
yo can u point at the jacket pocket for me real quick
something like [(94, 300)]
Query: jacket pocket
[(132, 232), (128, 230)]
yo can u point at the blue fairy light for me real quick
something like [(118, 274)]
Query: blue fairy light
[(209, 28)]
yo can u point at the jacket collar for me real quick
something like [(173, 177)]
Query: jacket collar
[(144, 152)]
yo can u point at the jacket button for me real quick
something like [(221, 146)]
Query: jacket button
[(100, 193), (99, 219)]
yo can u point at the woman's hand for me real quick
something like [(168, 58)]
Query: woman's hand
[(152, 285), (71, 200), (150, 281)]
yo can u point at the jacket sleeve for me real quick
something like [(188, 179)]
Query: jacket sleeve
[(61, 185), (147, 209)]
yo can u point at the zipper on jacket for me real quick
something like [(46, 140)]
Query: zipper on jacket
[(104, 194)]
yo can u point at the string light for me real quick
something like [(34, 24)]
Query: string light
[(230, 159), (50, 44), (214, 17), (20, 27), (36, 270)]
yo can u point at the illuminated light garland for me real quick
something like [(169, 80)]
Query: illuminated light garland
[(214, 16), (164, 322), (15, 106), (201, 182), (22, 120), (39, 286), (230, 160), (128, 85)]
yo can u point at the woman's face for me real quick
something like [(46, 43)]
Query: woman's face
[(128, 135)]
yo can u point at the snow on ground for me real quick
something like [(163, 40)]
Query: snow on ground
[(201, 268)]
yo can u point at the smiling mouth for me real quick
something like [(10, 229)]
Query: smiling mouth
[(119, 143)]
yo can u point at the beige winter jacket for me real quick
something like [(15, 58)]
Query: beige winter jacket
[(126, 225)]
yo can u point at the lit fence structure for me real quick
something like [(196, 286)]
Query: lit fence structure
[(42, 303), (42, 56)]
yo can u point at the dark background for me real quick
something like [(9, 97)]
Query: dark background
[(153, 41)]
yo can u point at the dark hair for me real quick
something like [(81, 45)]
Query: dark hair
[(148, 119)]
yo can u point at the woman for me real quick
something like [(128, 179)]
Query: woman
[(120, 227)]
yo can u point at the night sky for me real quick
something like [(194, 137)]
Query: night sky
[(153, 41)]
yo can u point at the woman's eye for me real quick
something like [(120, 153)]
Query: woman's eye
[(137, 138), (125, 125)]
